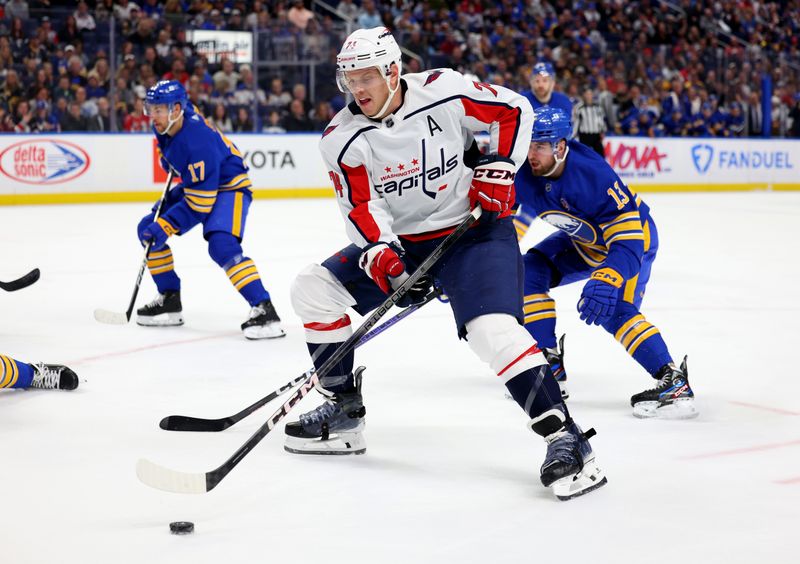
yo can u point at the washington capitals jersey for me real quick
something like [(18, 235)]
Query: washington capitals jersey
[(607, 221), (206, 161), (404, 174)]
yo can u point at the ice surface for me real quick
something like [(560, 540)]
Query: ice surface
[(451, 472)]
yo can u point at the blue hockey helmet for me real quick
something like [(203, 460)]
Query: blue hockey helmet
[(550, 125), (167, 92), (544, 68)]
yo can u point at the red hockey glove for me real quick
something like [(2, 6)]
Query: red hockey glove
[(493, 186), (381, 262)]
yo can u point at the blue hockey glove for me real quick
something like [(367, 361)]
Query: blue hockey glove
[(599, 297), (158, 232)]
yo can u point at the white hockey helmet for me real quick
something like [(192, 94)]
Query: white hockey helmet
[(365, 48)]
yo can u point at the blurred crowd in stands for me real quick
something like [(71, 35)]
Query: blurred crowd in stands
[(679, 68)]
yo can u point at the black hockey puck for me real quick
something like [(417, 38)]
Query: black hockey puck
[(181, 527)]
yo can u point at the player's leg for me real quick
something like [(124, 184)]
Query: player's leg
[(224, 230), (552, 262), (672, 397), (483, 277), (321, 295), (17, 374), (165, 309)]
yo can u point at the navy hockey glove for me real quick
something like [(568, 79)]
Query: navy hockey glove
[(599, 296), (493, 186), (158, 232), (382, 262)]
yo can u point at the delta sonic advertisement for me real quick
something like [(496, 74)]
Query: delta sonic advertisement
[(705, 163)]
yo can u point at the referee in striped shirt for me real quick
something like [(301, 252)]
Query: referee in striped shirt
[(590, 122)]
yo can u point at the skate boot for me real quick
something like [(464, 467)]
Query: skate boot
[(555, 358), (569, 467), (672, 398), (164, 311), (53, 377), (334, 427), (263, 323)]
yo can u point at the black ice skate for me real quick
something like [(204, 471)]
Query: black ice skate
[(569, 467), (334, 427), (164, 311), (53, 377), (555, 358), (263, 323), (672, 398)]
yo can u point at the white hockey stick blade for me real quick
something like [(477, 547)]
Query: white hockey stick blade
[(168, 480), (110, 317)]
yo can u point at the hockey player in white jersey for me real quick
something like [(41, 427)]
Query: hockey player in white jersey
[(395, 157)]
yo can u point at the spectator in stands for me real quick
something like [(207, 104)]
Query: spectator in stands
[(12, 91), (753, 116), (299, 94), (221, 120), (214, 22), (177, 72), (274, 123), (88, 107), (299, 15), (348, 9), (69, 33), (321, 116), (23, 117), (144, 33), (43, 121), (124, 10), (794, 115), (369, 17), (227, 73), (84, 21), (136, 121), (164, 43), (173, 11), (248, 89), (297, 118), (277, 95), (73, 120), (243, 121), (101, 121), (734, 126), (204, 80), (152, 9), (198, 95), (17, 9)]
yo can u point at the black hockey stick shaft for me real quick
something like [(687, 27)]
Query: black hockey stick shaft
[(215, 476), (199, 424), (147, 246), (21, 282)]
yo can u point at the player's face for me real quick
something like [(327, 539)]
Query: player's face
[(540, 157), (368, 88), (542, 85), (159, 114)]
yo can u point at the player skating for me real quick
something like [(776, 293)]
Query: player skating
[(607, 237), (215, 192), (395, 157)]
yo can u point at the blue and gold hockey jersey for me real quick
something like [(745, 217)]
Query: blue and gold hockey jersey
[(207, 162), (608, 223)]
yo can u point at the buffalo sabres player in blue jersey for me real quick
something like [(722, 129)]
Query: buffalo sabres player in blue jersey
[(607, 237), (17, 374), (214, 192), (396, 160)]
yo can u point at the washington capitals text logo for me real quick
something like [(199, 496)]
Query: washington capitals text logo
[(433, 75)]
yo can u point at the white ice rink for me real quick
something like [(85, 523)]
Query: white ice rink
[(451, 472)]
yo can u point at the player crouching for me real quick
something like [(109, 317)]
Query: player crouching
[(215, 191)]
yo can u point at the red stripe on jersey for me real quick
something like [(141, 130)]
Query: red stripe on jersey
[(357, 180), (533, 350), (506, 116), (338, 324)]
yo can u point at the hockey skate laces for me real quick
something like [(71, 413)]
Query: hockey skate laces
[(47, 376), (157, 301)]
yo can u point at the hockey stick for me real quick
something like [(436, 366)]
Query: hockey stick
[(21, 282), (117, 318), (199, 424), (166, 479)]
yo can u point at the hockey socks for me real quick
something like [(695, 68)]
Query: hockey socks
[(535, 390), (244, 276), (162, 268), (15, 374), (642, 340), (540, 319)]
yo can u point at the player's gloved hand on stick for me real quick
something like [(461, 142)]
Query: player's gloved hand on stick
[(383, 265), (493, 186), (599, 296), (158, 232)]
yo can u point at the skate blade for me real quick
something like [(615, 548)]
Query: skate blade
[(269, 331), (160, 320), (343, 444), (585, 481), (679, 409)]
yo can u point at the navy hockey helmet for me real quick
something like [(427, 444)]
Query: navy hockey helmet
[(550, 125), (168, 93)]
